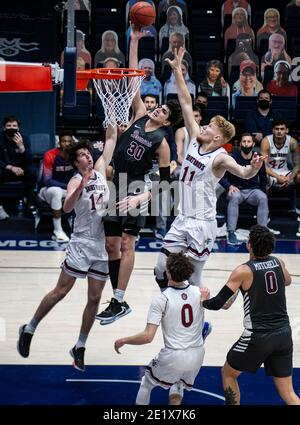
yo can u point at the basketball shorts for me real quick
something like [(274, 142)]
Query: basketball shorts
[(116, 225), (273, 349), (192, 235), (86, 257), (171, 366)]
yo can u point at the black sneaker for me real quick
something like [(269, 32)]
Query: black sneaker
[(23, 344), (78, 356), (113, 312)]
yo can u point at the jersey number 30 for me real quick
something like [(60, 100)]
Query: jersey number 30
[(135, 150), (187, 315)]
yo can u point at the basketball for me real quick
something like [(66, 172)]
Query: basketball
[(142, 14)]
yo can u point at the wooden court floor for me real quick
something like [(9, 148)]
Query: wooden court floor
[(25, 277)]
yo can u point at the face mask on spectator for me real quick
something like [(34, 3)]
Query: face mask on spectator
[(246, 149), (263, 104)]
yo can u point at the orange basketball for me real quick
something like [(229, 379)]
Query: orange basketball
[(142, 14)]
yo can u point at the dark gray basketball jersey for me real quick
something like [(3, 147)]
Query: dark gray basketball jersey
[(265, 302)]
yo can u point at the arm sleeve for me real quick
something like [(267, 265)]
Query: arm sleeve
[(219, 300)]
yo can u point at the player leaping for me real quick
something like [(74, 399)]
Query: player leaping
[(194, 229)]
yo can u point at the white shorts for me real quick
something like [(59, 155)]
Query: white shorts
[(171, 366), (192, 235), (86, 257), (53, 195)]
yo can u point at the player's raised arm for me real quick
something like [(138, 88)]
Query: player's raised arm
[(109, 147), (183, 94), (138, 106)]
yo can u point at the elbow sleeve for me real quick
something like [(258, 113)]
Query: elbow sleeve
[(217, 302)]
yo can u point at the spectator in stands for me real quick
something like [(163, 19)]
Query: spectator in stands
[(57, 172), (282, 160), (252, 191), (275, 53), (109, 48), (271, 26), (174, 24), (214, 83), (243, 51), (81, 50), (292, 9), (238, 26), (111, 63), (165, 4), (170, 86), (202, 103), (150, 101), (176, 40), (247, 84), (16, 161), (150, 84), (259, 121), (229, 6), (278, 148), (282, 85)]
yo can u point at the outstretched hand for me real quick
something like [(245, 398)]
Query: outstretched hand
[(257, 161), (175, 64), (118, 344), (136, 33)]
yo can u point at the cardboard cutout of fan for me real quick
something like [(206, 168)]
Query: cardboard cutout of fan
[(142, 14)]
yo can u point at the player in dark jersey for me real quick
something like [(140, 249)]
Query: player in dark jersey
[(143, 141), (267, 335)]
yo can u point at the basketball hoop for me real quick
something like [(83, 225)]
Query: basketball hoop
[(116, 88)]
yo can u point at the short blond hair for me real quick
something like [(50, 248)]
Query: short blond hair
[(226, 128)]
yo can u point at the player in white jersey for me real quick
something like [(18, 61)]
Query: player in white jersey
[(277, 147), (88, 194), (194, 229), (182, 140), (178, 311)]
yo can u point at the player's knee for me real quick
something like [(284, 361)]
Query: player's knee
[(112, 246), (94, 298), (127, 244)]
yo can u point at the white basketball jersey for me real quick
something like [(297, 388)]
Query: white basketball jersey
[(197, 183), (278, 157), (90, 207), (181, 316)]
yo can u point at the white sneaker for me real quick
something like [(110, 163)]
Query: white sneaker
[(3, 213), (298, 233), (60, 236)]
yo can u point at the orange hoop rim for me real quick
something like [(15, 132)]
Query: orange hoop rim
[(109, 73)]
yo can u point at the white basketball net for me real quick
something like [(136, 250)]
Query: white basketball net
[(116, 97)]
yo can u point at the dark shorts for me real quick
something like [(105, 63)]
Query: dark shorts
[(115, 226), (273, 349)]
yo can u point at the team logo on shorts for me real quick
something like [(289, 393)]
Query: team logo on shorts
[(184, 296)]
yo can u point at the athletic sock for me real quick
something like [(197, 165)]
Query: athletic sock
[(119, 294), (81, 340), (31, 327)]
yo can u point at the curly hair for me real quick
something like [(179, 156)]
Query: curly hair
[(262, 241), (82, 144), (175, 112), (179, 266)]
